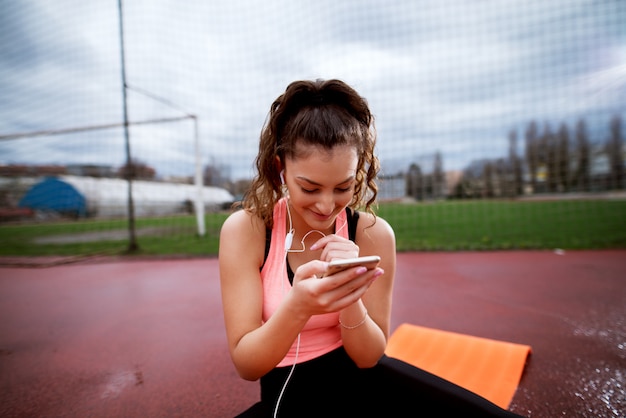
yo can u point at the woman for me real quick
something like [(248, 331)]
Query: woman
[(317, 341)]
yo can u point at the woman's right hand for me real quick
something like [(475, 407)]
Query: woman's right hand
[(318, 295)]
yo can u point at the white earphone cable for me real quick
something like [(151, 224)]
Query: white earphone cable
[(293, 367), (288, 242)]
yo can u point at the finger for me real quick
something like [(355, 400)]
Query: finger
[(344, 288), (348, 293), (339, 254), (352, 276), (339, 250), (314, 268), (324, 241)]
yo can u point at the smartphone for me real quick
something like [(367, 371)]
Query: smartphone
[(336, 266)]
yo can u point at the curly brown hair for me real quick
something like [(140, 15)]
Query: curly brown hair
[(324, 113)]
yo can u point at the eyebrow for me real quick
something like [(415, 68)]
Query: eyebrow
[(349, 179)]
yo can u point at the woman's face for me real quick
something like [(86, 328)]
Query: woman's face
[(321, 184)]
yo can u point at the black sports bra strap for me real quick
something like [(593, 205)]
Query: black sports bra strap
[(353, 220), (268, 242)]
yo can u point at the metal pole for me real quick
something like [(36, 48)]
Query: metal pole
[(199, 182), (132, 236)]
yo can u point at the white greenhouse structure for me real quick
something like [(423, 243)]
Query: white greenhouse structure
[(108, 197)]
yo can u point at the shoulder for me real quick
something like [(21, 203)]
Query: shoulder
[(374, 230), (242, 233), (241, 221)]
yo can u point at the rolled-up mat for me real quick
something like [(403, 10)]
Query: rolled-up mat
[(489, 368)]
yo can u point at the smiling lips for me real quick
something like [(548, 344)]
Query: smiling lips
[(322, 217)]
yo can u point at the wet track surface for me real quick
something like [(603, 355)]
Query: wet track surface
[(145, 338)]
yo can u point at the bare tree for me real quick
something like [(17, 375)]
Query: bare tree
[(516, 165), (215, 174), (471, 184), (563, 159), (532, 153), (136, 170), (438, 176), (548, 157), (500, 184), (615, 151), (583, 151), (488, 174), (414, 182)]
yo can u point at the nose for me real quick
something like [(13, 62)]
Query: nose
[(326, 204)]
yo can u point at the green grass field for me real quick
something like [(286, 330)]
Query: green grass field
[(442, 226)]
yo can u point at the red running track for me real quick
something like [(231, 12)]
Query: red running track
[(145, 338)]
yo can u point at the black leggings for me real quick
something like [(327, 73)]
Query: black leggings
[(332, 386)]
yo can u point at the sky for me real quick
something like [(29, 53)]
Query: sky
[(449, 76)]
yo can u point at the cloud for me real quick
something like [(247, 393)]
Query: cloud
[(450, 76)]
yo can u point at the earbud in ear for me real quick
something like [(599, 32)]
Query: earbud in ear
[(283, 185)]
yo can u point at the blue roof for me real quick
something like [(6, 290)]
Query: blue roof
[(53, 194)]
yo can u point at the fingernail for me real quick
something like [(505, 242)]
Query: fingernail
[(361, 270), (378, 273)]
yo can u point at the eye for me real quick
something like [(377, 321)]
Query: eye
[(348, 188), (309, 191)]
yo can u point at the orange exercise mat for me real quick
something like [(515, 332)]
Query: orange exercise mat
[(489, 368)]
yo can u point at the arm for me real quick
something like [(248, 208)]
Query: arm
[(255, 347), (366, 343)]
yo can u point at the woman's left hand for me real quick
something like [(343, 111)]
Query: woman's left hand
[(335, 247)]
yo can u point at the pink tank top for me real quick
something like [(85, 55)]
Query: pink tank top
[(321, 334)]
